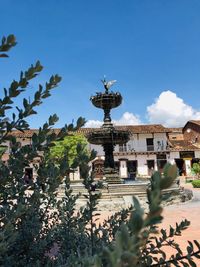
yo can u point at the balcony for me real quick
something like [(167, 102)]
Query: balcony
[(150, 147), (123, 148)]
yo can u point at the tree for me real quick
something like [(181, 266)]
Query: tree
[(68, 147), (33, 219)]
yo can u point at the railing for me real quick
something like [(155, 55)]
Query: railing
[(123, 148), (143, 148), (150, 148)]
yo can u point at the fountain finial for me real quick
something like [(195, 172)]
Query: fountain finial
[(108, 84)]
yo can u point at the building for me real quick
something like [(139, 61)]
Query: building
[(146, 151), (149, 148), (185, 146)]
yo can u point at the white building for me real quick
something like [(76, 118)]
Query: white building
[(149, 148), (146, 151)]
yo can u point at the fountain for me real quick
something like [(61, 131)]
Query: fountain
[(115, 195), (107, 135)]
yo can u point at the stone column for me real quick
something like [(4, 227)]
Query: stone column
[(187, 166), (123, 170), (155, 165)]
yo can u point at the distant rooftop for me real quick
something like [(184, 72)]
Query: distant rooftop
[(183, 145), (195, 122), (134, 129), (175, 130)]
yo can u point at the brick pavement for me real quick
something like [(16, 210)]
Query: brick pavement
[(189, 210)]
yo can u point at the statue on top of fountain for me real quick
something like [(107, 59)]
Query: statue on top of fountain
[(108, 84)]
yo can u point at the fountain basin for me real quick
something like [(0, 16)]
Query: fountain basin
[(108, 136), (106, 100)]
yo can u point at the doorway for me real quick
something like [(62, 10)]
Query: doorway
[(181, 166), (98, 167), (132, 168), (150, 166)]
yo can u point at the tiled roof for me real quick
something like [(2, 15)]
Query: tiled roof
[(195, 122), (182, 145), (24, 134), (175, 130), (28, 133), (148, 128), (134, 129)]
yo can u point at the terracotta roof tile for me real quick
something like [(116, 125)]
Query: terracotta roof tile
[(182, 145), (195, 122), (134, 129), (175, 130), (148, 128), (28, 133), (188, 124)]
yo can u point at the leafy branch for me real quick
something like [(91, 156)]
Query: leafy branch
[(6, 44)]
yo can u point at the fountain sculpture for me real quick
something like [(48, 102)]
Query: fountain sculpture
[(108, 136)]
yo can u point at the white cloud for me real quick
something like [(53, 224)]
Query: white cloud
[(126, 119), (170, 110), (93, 124)]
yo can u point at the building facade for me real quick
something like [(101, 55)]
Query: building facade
[(150, 147)]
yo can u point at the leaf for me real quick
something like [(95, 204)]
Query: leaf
[(192, 263), (197, 244)]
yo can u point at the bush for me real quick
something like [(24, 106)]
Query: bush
[(32, 224), (196, 169), (196, 183)]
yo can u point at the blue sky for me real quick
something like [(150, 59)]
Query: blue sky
[(152, 49)]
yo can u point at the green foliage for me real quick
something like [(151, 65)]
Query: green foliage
[(196, 169), (34, 220), (6, 44), (2, 150), (196, 183), (68, 147)]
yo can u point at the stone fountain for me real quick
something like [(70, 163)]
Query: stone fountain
[(114, 195), (108, 136)]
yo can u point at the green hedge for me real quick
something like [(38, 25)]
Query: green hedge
[(196, 183)]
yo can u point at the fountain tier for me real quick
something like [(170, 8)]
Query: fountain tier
[(108, 136)]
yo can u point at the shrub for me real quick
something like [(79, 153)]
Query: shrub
[(196, 169), (31, 224), (196, 183)]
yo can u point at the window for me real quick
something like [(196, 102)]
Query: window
[(161, 161), (122, 148), (150, 145)]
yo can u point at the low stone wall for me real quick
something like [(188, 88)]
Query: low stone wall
[(114, 197)]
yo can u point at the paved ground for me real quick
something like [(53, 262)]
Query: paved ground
[(189, 210)]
